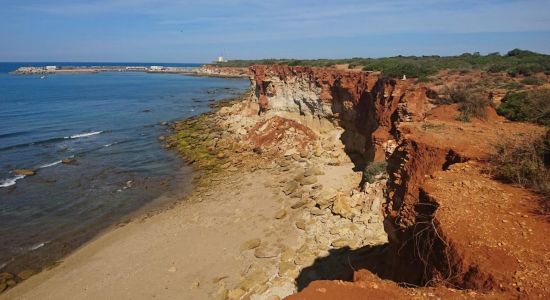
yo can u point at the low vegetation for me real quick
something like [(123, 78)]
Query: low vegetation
[(374, 169), (471, 100), (515, 62), (526, 163), (532, 106)]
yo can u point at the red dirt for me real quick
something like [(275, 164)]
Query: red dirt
[(272, 134)]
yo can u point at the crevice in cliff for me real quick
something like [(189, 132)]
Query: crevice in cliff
[(418, 253)]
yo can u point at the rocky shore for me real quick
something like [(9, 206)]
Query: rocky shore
[(320, 184)]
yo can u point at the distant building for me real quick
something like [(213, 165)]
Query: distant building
[(156, 68), (221, 59), (50, 68)]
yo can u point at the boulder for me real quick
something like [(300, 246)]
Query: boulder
[(326, 197), (291, 187), (26, 274), (25, 172), (299, 203), (308, 180), (342, 207), (69, 160)]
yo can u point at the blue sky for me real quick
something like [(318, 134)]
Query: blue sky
[(198, 31)]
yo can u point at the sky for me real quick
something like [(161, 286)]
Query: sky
[(200, 30)]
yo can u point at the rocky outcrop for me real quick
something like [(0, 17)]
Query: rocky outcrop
[(365, 104), (220, 71)]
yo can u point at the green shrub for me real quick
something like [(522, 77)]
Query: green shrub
[(525, 163), (374, 169), (533, 80), (516, 62), (470, 99), (532, 106), (513, 86)]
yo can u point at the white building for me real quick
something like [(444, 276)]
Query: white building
[(156, 68), (221, 59), (50, 68)]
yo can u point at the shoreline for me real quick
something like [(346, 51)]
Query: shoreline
[(202, 71), (244, 227), (181, 187)]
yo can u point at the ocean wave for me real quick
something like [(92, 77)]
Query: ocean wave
[(50, 164), (81, 135), (10, 181), (52, 140), (13, 134), (37, 246)]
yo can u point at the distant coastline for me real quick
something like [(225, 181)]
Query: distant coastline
[(204, 70)]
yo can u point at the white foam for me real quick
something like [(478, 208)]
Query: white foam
[(40, 245), (76, 136), (50, 164), (10, 181), (107, 145)]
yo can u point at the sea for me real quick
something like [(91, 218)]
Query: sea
[(107, 125)]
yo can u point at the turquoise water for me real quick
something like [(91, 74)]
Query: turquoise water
[(110, 124)]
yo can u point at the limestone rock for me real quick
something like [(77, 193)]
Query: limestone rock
[(69, 160), (287, 269), (301, 224), (339, 243), (250, 244), (235, 294), (326, 197), (280, 214), (291, 187), (288, 255), (254, 279), (342, 207), (25, 172), (299, 203), (317, 212), (308, 180), (305, 259), (266, 251), (26, 274)]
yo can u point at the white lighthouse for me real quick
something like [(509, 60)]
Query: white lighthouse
[(221, 59)]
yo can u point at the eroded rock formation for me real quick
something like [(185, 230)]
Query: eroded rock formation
[(431, 241), (365, 104)]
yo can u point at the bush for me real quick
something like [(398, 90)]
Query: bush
[(533, 80), (532, 106), (526, 163), (515, 62), (470, 99), (374, 169)]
